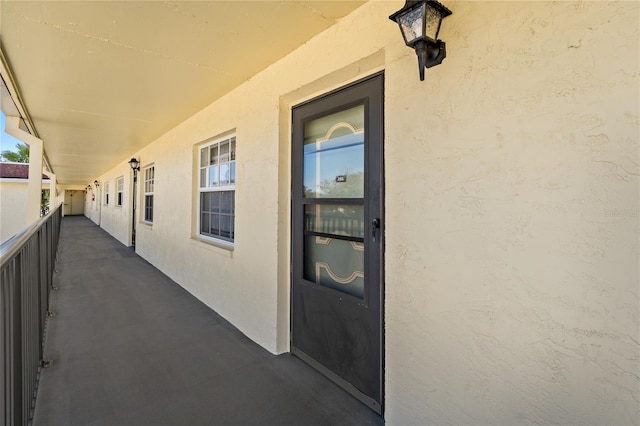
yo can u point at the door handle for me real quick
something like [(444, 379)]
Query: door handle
[(375, 225)]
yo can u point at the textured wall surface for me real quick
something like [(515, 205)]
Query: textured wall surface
[(512, 216), (512, 219), (114, 219)]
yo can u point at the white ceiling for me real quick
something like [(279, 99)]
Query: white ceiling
[(101, 80)]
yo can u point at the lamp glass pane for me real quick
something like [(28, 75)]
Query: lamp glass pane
[(412, 24), (434, 16)]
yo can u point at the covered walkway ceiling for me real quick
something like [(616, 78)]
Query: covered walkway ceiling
[(101, 80)]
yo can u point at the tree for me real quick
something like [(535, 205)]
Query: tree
[(351, 187), (44, 202), (21, 156)]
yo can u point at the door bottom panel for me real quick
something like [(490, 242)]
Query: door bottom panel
[(368, 401)]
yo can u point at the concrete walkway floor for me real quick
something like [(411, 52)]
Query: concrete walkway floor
[(131, 347)]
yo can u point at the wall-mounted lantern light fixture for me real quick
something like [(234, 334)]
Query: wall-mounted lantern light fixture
[(419, 22), (96, 183), (88, 187), (135, 166)]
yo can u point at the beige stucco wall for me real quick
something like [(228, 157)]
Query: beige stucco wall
[(512, 225), (514, 260), (112, 218), (13, 207)]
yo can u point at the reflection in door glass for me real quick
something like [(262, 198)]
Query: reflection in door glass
[(334, 155), (342, 220)]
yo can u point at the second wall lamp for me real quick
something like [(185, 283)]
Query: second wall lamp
[(135, 164)]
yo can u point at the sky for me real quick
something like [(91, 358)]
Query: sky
[(7, 143)]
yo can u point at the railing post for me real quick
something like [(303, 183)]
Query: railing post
[(16, 345)]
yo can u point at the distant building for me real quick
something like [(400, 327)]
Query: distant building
[(13, 198)]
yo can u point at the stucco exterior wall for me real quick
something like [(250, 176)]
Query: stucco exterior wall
[(512, 209), (514, 262), (13, 207), (114, 219)]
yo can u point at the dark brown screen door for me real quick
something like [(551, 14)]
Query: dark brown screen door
[(337, 237)]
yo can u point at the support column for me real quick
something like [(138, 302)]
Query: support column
[(34, 186), (53, 183)]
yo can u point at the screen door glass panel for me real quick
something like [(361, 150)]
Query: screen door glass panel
[(334, 247), (333, 168), (334, 155)]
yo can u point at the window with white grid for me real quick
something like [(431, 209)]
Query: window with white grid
[(119, 191), (217, 185), (106, 193), (149, 174)]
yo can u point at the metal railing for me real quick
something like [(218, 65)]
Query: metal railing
[(26, 277)]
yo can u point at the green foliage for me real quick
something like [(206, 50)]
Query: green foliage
[(351, 188), (330, 188), (44, 201), (19, 156)]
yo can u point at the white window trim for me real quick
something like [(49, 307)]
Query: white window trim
[(212, 240)]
